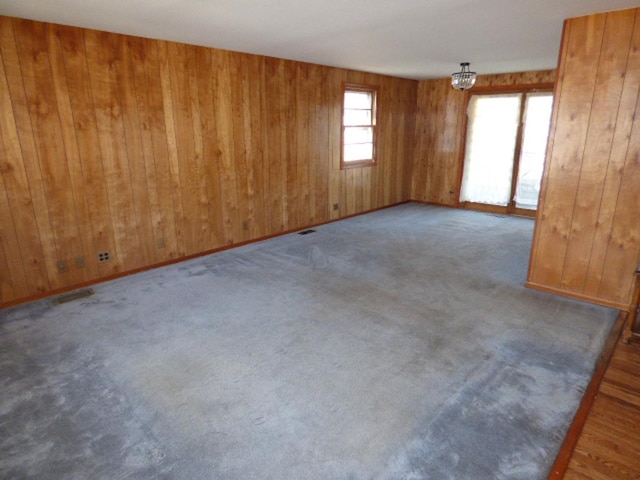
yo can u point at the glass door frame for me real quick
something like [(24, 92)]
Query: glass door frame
[(497, 90)]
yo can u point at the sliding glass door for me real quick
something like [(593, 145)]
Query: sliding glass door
[(505, 148), (537, 117)]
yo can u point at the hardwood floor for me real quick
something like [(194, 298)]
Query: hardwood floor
[(609, 445)]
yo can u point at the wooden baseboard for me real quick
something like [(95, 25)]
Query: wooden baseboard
[(561, 463), (577, 296), (497, 209), (483, 207), (435, 204)]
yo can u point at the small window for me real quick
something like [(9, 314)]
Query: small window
[(359, 126)]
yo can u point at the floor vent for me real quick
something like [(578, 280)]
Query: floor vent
[(306, 232), (70, 297)]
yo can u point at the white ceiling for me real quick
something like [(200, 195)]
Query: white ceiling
[(407, 38)]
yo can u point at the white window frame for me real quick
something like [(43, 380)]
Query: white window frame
[(373, 90)]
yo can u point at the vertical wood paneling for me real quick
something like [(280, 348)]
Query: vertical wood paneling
[(257, 109), (129, 56), (275, 157), (185, 155), (153, 150), (615, 168), (173, 163), (597, 149), (440, 131), (385, 145), (436, 158), (17, 209), (13, 278), (87, 138), (40, 95), (564, 160), (336, 176), (248, 131), (406, 137), (301, 155), (322, 152), (69, 137), (313, 133), (140, 61), (241, 139), (587, 237), (288, 146), (103, 65), (210, 153), (151, 101), (200, 179)]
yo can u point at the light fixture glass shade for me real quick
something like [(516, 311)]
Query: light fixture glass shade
[(464, 79)]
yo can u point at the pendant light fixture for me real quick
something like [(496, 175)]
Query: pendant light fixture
[(464, 79)]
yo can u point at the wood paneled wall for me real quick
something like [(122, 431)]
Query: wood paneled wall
[(440, 125), (153, 151), (587, 237)]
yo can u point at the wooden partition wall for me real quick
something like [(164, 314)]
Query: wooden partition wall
[(440, 133), (587, 237), (151, 151)]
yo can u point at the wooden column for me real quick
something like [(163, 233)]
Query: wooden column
[(587, 237)]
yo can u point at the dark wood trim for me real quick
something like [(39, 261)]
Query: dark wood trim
[(630, 331), (77, 286), (485, 207), (577, 296), (358, 163), (462, 143), (524, 212), (561, 463), (522, 88), (435, 204), (515, 170)]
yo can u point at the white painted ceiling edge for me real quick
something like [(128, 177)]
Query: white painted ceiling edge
[(406, 38)]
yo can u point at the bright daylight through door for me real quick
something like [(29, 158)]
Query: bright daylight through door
[(505, 148)]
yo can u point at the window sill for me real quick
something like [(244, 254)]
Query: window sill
[(357, 164)]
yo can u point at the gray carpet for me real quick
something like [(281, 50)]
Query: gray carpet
[(395, 345)]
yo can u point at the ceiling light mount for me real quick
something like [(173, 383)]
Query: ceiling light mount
[(464, 79)]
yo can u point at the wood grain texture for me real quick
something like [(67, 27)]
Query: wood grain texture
[(597, 148), (609, 445), (154, 151), (587, 238), (440, 131), (17, 209)]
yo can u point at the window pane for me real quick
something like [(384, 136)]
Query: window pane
[(358, 120), (358, 151), (357, 100), (537, 119), (357, 117), (491, 140), (358, 135)]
